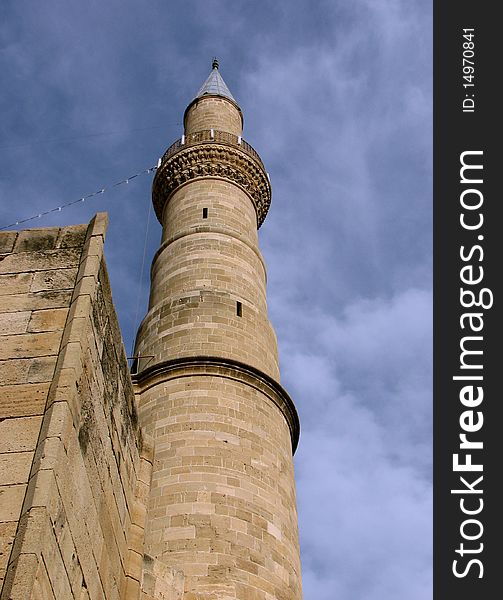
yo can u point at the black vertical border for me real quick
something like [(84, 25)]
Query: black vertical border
[(454, 133)]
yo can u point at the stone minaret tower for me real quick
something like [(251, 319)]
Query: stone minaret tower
[(222, 499)]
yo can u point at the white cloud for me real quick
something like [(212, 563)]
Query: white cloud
[(363, 473)]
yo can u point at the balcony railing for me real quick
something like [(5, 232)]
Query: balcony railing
[(212, 135)]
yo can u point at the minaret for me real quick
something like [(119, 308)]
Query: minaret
[(222, 503)]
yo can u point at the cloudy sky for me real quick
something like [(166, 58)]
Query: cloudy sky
[(336, 97)]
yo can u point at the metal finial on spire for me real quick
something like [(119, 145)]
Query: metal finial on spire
[(214, 84)]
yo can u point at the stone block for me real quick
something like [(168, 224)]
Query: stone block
[(98, 225), (7, 534), (41, 369), (42, 260), (15, 371), (30, 345), (11, 501), (131, 589), (15, 467), (47, 320), (14, 323), (18, 584), (71, 561), (55, 567), (41, 491), (7, 241), (35, 300), (33, 240), (42, 588), (18, 283), (72, 236), (58, 423), (49, 455), (93, 247), (19, 434), (86, 286), (22, 400), (60, 279), (34, 526)]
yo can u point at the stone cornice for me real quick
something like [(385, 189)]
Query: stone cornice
[(212, 160), (222, 367)]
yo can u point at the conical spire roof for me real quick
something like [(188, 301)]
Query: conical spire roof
[(215, 85)]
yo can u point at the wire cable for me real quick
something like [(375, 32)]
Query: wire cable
[(82, 199), (140, 281)]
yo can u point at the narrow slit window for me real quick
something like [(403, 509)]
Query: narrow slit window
[(205, 213), (239, 309)]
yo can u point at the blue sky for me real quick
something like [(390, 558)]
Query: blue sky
[(336, 99)]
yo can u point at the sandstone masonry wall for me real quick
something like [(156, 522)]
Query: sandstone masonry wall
[(75, 468), (38, 269)]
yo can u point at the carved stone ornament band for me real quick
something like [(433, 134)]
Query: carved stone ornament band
[(212, 160)]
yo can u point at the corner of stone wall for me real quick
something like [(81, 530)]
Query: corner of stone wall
[(81, 529), (80, 534), (38, 268)]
